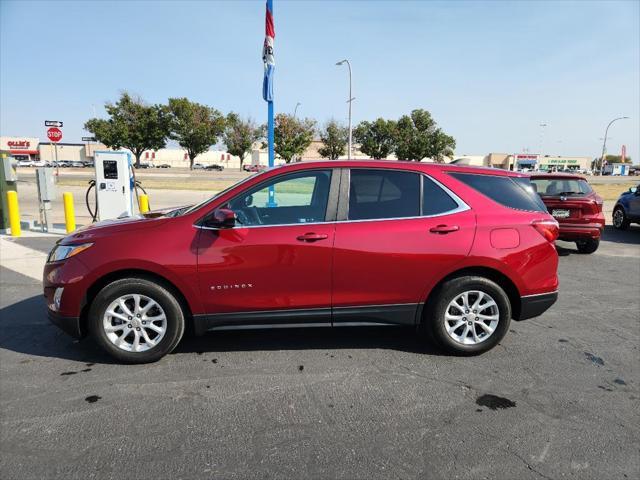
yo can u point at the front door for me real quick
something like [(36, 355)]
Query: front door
[(401, 231), (276, 262)]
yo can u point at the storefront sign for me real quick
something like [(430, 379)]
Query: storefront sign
[(18, 144)]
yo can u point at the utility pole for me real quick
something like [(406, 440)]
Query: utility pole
[(604, 143), (351, 99)]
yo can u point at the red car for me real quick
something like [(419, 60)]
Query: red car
[(458, 251), (573, 203)]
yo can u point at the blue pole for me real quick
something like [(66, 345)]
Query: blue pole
[(270, 128)]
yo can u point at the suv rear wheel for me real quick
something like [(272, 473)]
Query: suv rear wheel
[(589, 245), (469, 315), (136, 320)]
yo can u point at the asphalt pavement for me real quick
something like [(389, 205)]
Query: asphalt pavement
[(558, 398)]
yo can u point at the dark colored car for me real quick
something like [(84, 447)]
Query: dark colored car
[(456, 251), (214, 166), (164, 165), (627, 209), (573, 203)]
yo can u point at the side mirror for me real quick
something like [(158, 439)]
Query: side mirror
[(220, 218)]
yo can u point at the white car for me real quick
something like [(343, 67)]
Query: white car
[(25, 163)]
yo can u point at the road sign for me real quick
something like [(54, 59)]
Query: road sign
[(88, 139), (53, 123), (54, 134)]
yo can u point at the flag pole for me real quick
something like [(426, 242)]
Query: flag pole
[(270, 112)]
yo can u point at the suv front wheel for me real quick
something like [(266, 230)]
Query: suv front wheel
[(136, 320), (469, 315)]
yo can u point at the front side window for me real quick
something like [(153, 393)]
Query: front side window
[(377, 194), (298, 198)]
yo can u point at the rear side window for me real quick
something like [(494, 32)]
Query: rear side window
[(435, 200), (383, 194), (511, 192)]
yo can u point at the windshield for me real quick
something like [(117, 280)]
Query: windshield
[(550, 187), (193, 208)]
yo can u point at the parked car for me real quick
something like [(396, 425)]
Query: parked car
[(214, 166), (254, 168), (577, 208), (627, 209), (164, 165), (145, 165), (198, 166), (456, 251), (61, 164), (77, 164), (25, 163)]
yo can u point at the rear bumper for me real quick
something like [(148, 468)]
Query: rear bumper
[(69, 325), (569, 231), (535, 305)]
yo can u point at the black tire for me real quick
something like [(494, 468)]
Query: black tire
[(162, 296), (620, 220), (437, 308), (587, 246)]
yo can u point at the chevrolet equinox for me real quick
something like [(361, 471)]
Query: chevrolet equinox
[(455, 251)]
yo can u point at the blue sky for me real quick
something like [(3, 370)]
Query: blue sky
[(490, 72)]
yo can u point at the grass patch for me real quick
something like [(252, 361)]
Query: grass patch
[(611, 191)]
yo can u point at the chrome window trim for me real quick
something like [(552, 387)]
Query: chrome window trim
[(462, 207)]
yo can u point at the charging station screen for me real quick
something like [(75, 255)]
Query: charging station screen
[(110, 169)]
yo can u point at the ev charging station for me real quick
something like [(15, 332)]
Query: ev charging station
[(114, 185)]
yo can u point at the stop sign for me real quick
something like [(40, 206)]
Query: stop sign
[(54, 134)]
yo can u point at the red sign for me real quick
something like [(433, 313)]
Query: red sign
[(54, 134), (19, 144)]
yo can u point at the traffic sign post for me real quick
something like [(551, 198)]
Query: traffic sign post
[(54, 134)]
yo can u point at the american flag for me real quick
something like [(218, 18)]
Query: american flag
[(267, 56)]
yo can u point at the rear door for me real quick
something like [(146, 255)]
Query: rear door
[(399, 231)]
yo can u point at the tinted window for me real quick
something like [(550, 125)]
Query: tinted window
[(383, 194), (510, 192), (434, 199), (549, 187), (298, 198)]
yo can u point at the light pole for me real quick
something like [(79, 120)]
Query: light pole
[(604, 143), (351, 99), (296, 109)]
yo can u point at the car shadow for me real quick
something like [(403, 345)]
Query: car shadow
[(630, 236), (24, 328)]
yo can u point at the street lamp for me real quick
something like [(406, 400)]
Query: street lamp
[(296, 109), (604, 143), (351, 99)]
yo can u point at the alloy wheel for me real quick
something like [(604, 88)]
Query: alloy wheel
[(618, 218), (134, 323), (471, 317)]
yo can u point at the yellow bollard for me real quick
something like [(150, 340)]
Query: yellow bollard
[(69, 212), (143, 202), (14, 213)]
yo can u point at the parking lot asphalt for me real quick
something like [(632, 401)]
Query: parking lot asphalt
[(558, 398)]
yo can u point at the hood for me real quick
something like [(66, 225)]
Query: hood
[(118, 225)]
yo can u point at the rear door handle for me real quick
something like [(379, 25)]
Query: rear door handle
[(312, 237), (444, 229)]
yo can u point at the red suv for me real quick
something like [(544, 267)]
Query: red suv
[(459, 251), (578, 209)]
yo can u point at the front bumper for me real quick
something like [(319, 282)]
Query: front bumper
[(535, 305), (69, 325)]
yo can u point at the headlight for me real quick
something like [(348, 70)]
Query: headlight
[(62, 252)]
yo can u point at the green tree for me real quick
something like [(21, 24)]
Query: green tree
[(132, 124), (194, 126), (334, 139), (240, 135), (292, 136), (418, 137), (376, 139)]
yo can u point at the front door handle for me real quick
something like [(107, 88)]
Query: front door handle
[(444, 229), (312, 237)]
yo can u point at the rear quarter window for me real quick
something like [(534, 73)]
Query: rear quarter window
[(512, 192)]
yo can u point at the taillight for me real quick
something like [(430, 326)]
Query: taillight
[(549, 229)]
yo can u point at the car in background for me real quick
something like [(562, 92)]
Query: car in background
[(214, 166), (77, 164), (575, 205), (145, 165), (61, 164), (198, 166), (627, 209), (254, 168), (25, 163), (164, 165), (455, 251)]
